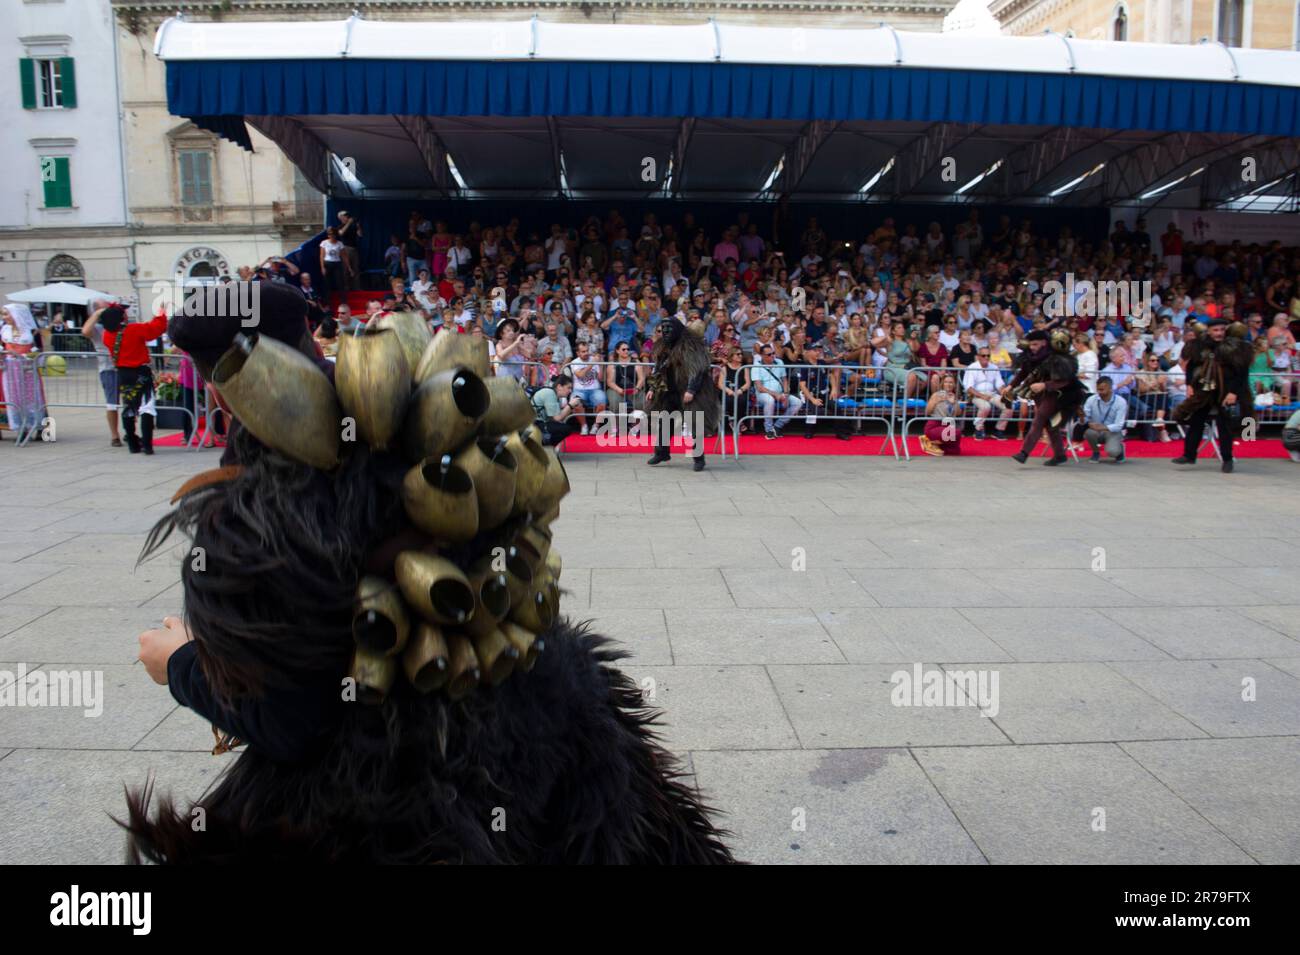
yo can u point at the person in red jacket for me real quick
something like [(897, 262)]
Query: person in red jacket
[(128, 344)]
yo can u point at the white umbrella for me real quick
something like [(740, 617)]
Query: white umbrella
[(62, 293)]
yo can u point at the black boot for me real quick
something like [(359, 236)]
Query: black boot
[(699, 464), (1055, 459), (1184, 459), (132, 439), (660, 456), (1020, 457), (1226, 467), (146, 433)]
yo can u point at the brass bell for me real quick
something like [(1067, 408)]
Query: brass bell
[(547, 517), (379, 621), (519, 576), (427, 660), (533, 546), (496, 656), (435, 587), (492, 468), (282, 398), (373, 381), (411, 329), (553, 564), (510, 409), (444, 411), (491, 600), (463, 668), (450, 350), (373, 674), (538, 610), (526, 642), (555, 485), (530, 470), (441, 500)]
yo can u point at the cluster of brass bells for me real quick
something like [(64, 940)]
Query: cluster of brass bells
[(479, 473)]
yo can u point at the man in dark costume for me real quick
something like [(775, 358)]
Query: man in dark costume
[(1218, 373), (383, 717), (681, 384), (1048, 376)]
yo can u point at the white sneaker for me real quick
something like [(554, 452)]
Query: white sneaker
[(586, 430)]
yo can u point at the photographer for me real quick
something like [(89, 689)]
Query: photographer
[(555, 406)]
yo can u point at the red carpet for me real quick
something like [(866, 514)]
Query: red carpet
[(828, 444)]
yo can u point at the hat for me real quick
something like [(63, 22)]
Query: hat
[(1037, 335), (1216, 320)]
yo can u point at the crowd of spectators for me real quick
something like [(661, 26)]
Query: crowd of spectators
[(586, 301)]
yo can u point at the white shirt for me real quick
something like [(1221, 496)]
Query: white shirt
[(978, 378), (949, 339), (1111, 413), (333, 250), (1088, 366)]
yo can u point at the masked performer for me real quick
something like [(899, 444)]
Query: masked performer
[(1218, 366), (376, 618), (1049, 377), (681, 384), (128, 343)]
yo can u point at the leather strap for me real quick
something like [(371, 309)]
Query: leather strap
[(208, 478)]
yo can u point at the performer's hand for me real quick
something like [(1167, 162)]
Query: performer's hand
[(1230, 399), (688, 397), (1037, 387), (649, 396), (157, 646)]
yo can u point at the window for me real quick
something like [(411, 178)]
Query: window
[(57, 180), (1119, 25), (64, 268), (1232, 19), (196, 177), (48, 83)]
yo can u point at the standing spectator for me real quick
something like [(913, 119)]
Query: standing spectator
[(107, 371), (349, 233), (587, 377), (127, 343), (331, 263)]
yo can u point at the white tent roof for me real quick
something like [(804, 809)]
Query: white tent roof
[(179, 39), (61, 293)]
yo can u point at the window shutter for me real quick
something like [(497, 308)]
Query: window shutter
[(58, 190), (69, 81), (27, 70)]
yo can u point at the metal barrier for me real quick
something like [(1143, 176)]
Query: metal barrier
[(21, 399), (72, 380), (854, 393), (628, 419)]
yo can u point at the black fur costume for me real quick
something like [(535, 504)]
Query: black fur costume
[(556, 765), (682, 363), (1057, 369), (1214, 371)]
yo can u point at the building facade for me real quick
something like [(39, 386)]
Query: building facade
[(1258, 24), (63, 212)]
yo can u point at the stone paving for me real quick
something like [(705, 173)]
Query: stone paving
[(767, 606)]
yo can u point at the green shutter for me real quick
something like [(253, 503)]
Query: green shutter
[(27, 70), (58, 190), (68, 77)]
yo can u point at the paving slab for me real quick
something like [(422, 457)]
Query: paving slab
[(712, 707), (1204, 632), (701, 637), (906, 634), (1059, 634), (852, 706), (833, 807), (1250, 795), (1027, 805), (1222, 697)]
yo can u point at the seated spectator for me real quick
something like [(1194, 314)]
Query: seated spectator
[(818, 387), (1104, 415), (769, 382), (983, 384), (586, 374), (1151, 399)]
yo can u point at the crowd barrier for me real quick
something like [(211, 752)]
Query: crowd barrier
[(72, 380)]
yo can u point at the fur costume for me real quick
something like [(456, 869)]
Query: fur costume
[(1216, 369), (507, 755), (1056, 368), (682, 363)]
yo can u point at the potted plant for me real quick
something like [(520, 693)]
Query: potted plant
[(167, 392)]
